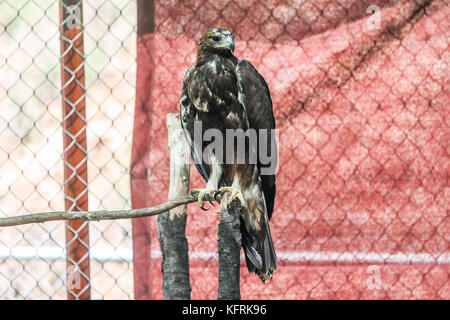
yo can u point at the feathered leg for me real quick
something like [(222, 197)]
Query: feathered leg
[(212, 185)]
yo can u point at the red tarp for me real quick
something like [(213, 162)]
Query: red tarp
[(362, 206)]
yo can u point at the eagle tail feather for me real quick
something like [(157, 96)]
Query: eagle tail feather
[(252, 257), (259, 251)]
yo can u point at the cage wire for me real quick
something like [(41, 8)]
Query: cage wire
[(361, 101), (362, 207), (32, 258)]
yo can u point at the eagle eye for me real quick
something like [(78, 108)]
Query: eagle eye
[(215, 38)]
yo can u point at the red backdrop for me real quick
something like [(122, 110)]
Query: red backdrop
[(362, 206)]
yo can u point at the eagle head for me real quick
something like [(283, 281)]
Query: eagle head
[(216, 40)]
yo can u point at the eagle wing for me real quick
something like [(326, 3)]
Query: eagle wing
[(188, 115), (254, 95)]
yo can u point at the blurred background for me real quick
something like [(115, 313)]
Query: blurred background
[(32, 261)]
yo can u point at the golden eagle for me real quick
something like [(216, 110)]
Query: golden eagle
[(222, 94)]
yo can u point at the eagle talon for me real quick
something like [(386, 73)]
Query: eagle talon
[(203, 194), (209, 199), (235, 194)]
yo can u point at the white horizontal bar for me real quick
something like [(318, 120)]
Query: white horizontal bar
[(57, 253), (365, 257), (126, 255)]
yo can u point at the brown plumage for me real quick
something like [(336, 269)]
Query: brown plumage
[(223, 93)]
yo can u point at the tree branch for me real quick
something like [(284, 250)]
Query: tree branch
[(229, 249), (97, 215), (172, 224)]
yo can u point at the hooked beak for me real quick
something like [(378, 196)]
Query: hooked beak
[(230, 44)]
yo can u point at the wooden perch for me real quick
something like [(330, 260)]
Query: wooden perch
[(172, 224), (229, 249), (97, 215)]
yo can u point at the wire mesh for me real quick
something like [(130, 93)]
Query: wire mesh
[(32, 258), (361, 99)]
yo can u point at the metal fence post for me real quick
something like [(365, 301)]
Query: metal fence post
[(73, 93)]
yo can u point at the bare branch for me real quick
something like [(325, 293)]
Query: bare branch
[(172, 224), (97, 215)]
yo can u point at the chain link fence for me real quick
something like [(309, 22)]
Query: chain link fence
[(361, 97), (32, 258)]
